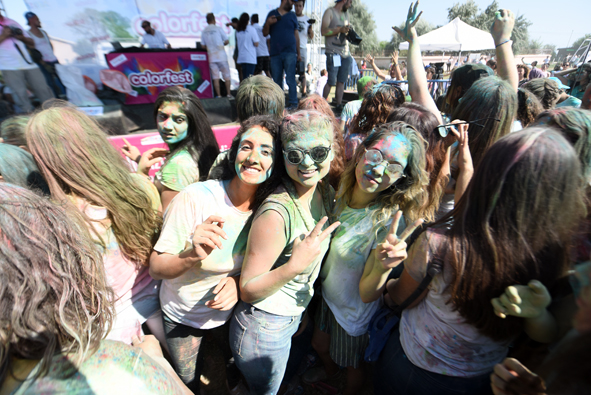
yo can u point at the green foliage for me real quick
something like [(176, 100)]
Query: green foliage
[(577, 43), (362, 21), (469, 13), (422, 27), (116, 24)]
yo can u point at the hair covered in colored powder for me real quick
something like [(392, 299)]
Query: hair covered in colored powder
[(306, 122), (407, 194), (12, 130), (259, 95), (75, 158), (52, 278)]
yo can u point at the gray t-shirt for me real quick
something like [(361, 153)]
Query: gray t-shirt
[(337, 44)]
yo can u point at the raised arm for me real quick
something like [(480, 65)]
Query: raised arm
[(501, 30), (394, 59), (379, 73), (417, 78)]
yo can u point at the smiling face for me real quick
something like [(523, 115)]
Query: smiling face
[(308, 173), (173, 124), (254, 160), (373, 179)]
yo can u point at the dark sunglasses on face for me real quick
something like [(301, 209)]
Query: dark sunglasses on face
[(295, 156), (444, 130)]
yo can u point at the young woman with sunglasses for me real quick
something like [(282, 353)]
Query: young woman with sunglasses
[(386, 175), (290, 235), (199, 287)]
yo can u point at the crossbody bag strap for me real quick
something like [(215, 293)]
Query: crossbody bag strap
[(434, 268), (21, 52)]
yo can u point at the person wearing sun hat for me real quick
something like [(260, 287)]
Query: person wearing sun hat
[(565, 100), (364, 84)]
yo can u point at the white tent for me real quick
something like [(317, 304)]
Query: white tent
[(455, 36)]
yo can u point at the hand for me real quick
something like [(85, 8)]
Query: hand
[(369, 59), (299, 58), (464, 156), (395, 57), (509, 371), (271, 20), (527, 301), (502, 26), (226, 295), (344, 29), (207, 236), (392, 251), (149, 344), (5, 33), (131, 151), (149, 159), (307, 250), (409, 33)]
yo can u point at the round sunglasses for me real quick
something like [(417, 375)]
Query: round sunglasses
[(374, 157), (295, 156), (444, 130)]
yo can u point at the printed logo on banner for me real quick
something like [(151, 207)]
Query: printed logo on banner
[(152, 140), (203, 86), (118, 60), (165, 77), (198, 57)]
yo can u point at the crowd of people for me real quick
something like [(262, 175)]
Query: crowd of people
[(431, 240)]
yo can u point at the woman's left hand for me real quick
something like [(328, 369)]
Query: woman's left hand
[(226, 295), (149, 159), (464, 156)]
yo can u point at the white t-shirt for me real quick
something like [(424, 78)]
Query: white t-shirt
[(245, 39), (213, 37), (155, 41), (10, 58), (262, 49), (350, 247), (433, 335), (303, 30), (183, 298), (43, 45)]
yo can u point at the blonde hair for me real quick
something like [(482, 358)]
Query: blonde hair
[(408, 194)]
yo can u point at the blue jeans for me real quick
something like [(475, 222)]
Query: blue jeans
[(53, 80), (247, 70), (260, 342), (395, 374), (286, 63)]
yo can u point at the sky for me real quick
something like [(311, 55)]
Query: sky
[(551, 23)]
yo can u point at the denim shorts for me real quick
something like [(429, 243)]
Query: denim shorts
[(337, 74)]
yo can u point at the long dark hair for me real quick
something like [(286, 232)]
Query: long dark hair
[(243, 22), (426, 123), (514, 223), (226, 170), (200, 141)]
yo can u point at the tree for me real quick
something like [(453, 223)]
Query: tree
[(117, 25), (580, 40), (363, 23), (470, 14)]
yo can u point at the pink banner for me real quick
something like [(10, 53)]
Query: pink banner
[(146, 141), (151, 72)]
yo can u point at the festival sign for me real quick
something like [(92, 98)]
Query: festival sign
[(151, 72), (86, 27)]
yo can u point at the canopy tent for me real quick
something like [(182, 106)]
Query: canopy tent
[(455, 36)]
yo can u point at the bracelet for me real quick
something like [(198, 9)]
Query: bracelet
[(137, 160), (504, 42)]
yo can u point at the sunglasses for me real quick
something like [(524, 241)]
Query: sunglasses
[(444, 130), (375, 158), (296, 156)]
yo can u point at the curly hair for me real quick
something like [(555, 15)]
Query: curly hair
[(407, 194), (545, 89), (55, 297), (425, 123), (200, 141), (76, 159), (337, 165), (376, 107), (528, 107), (226, 170)]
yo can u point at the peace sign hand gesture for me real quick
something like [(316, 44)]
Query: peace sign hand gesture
[(392, 251), (306, 249), (409, 33)]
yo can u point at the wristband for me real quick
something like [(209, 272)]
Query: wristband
[(137, 160), (504, 42)]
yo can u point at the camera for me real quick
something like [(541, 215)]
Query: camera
[(353, 37), (15, 31)]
